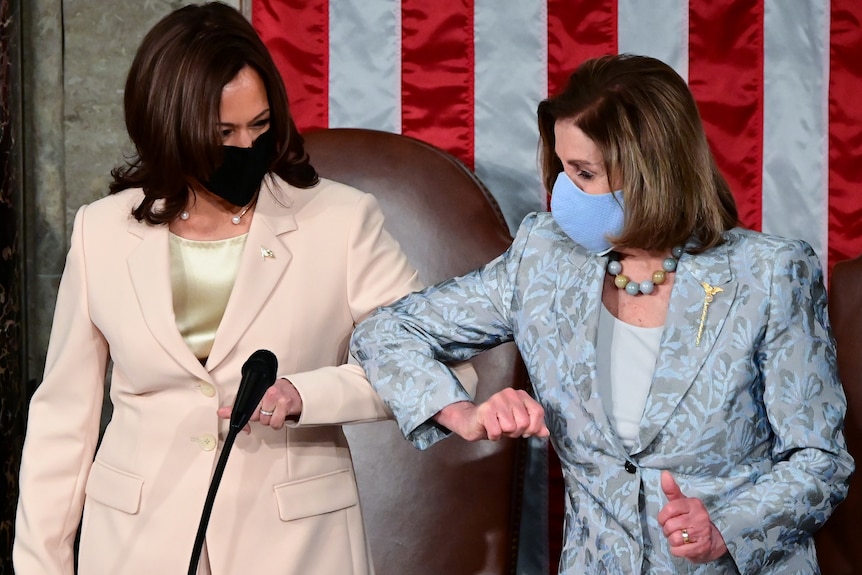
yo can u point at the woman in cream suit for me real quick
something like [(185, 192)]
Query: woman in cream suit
[(683, 367), (218, 239)]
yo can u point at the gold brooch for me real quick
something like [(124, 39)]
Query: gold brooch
[(266, 253), (708, 296)]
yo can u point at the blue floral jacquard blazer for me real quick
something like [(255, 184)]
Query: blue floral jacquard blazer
[(749, 418)]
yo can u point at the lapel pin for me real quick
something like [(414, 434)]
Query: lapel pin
[(709, 295), (266, 253)]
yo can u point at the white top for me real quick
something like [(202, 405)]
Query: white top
[(626, 356)]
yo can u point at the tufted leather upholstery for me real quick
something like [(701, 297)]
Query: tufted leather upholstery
[(839, 542), (455, 508)]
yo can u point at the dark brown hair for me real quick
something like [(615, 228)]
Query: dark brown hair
[(172, 99), (644, 120)]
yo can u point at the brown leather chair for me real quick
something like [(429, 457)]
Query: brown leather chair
[(839, 542), (455, 508)]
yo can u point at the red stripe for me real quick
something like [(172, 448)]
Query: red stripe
[(437, 79), (578, 30), (297, 35), (726, 77), (845, 131)]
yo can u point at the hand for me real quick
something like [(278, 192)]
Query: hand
[(510, 413), (281, 399), (689, 515)]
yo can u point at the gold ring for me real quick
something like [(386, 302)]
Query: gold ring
[(265, 412), (685, 538)]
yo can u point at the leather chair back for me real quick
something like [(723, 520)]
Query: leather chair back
[(455, 508), (839, 542)]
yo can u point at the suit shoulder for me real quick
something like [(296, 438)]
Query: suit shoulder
[(541, 225), (113, 208), (759, 244), (772, 255), (338, 191), (326, 194), (540, 230)]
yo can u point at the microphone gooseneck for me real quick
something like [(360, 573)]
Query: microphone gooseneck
[(258, 374)]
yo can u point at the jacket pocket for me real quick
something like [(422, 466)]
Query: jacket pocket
[(114, 488), (316, 495)]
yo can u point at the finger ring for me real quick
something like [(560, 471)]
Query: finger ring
[(265, 412), (685, 538)]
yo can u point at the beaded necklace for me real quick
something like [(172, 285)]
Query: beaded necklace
[(646, 287)]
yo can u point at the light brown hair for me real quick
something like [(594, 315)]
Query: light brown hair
[(172, 100), (644, 120)]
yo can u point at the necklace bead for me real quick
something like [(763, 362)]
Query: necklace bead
[(646, 287), (669, 264)]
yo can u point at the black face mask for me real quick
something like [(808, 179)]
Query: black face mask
[(238, 177)]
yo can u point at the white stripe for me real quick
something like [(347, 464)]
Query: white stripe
[(510, 80), (795, 123), (658, 28), (365, 64)]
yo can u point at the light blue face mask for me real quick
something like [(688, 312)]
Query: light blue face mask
[(587, 218)]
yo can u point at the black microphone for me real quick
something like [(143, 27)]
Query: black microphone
[(258, 374)]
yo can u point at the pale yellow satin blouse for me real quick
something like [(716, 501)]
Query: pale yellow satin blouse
[(202, 277)]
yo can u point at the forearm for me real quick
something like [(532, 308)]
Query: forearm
[(804, 407), (337, 395), (63, 426), (771, 516)]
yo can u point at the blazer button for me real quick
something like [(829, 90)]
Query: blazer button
[(206, 442), (206, 389), (630, 467)]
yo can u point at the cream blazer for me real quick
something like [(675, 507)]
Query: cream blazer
[(315, 263)]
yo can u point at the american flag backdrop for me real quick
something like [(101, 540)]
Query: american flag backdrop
[(778, 83)]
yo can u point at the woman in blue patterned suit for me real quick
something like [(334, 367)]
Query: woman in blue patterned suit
[(683, 366)]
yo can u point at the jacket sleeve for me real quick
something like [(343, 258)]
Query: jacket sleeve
[(378, 273), (404, 347), (805, 406), (63, 426)]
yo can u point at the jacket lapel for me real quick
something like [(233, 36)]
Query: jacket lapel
[(264, 261), (578, 304), (149, 270), (689, 334)]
